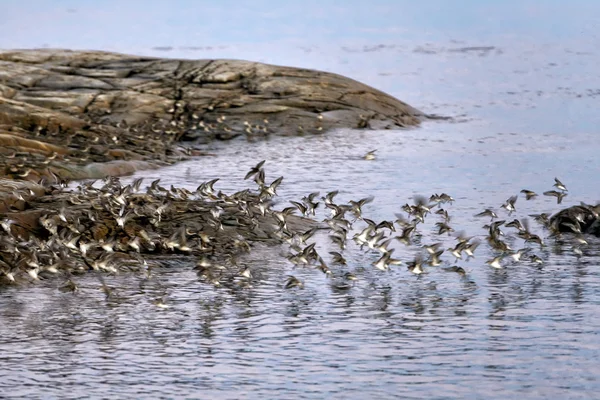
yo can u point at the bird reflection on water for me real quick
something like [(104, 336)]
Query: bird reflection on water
[(281, 301)]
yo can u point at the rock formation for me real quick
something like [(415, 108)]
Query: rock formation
[(82, 114), (67, 115)]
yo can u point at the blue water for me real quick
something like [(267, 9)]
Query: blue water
[(519, 79)]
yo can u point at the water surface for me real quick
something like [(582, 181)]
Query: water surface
[(520, 80)]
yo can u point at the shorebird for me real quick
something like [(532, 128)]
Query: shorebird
[(487, 213), (337, 258), (370, 155), (529, 194), (310, 203), (515, 223), (553, 193), (559, 185), (350, 276), (328, 199), (254, 170), (405, 237), (69, 286), (470, 249), (160, 303), (384, 262), (432, 248), (292, 282), (443, 228), (536, 260), (509, 205), (495, 262), (357, 205), (434, 259), (416, 266), (516, 256), (271, 190)]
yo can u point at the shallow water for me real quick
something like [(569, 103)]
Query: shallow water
[(519, 78)]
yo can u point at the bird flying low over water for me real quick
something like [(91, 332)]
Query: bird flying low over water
[(495, 262), (559, 185), (509, 205), (292, 282), (370, 155), (553, 193), (529, 194), (487, 213), (254, 170)]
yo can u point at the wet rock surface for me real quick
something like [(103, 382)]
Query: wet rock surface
[(583, 218), (80, 114)]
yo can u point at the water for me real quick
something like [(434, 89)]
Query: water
[(519, 78)]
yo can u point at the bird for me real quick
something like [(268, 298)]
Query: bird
[(434, 259), (487, 213), (457, 269), (495, 262), (370, 155), (416, 266), (69, 286), (529, 194), (337, 258), (350, 276), (516, 255), (509, 205), (536, 259), (271, 190), (254, 170), (292, 282), (384, 262), (559, 185), (553, 193)]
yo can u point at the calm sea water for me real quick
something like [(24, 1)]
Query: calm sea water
[(520, 79)]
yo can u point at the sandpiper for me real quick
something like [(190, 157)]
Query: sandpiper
[(416, 266), (292, 282), (509, 205), (495, 262), (559, 185), (337, 258), (487, 213), (553, 193), (254, 170), (529, 194), (370, 155)]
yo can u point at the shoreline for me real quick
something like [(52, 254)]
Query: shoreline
[(80, 115), (61, 110), (75, 115)]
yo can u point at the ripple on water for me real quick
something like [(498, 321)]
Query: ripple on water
[(523, 331)]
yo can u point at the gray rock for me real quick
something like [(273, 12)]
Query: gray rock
[(84, 107)]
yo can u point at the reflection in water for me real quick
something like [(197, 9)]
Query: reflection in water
[(526, 330), (441, 333)]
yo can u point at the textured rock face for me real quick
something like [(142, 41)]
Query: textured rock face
[(61, 110)]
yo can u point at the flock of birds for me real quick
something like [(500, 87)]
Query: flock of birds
[(117, 227), (407, 230)]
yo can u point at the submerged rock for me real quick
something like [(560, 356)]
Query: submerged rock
[(583, 218)]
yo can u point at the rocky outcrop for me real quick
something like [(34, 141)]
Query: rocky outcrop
[(76, 114), (583, 218), (68, 115)]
